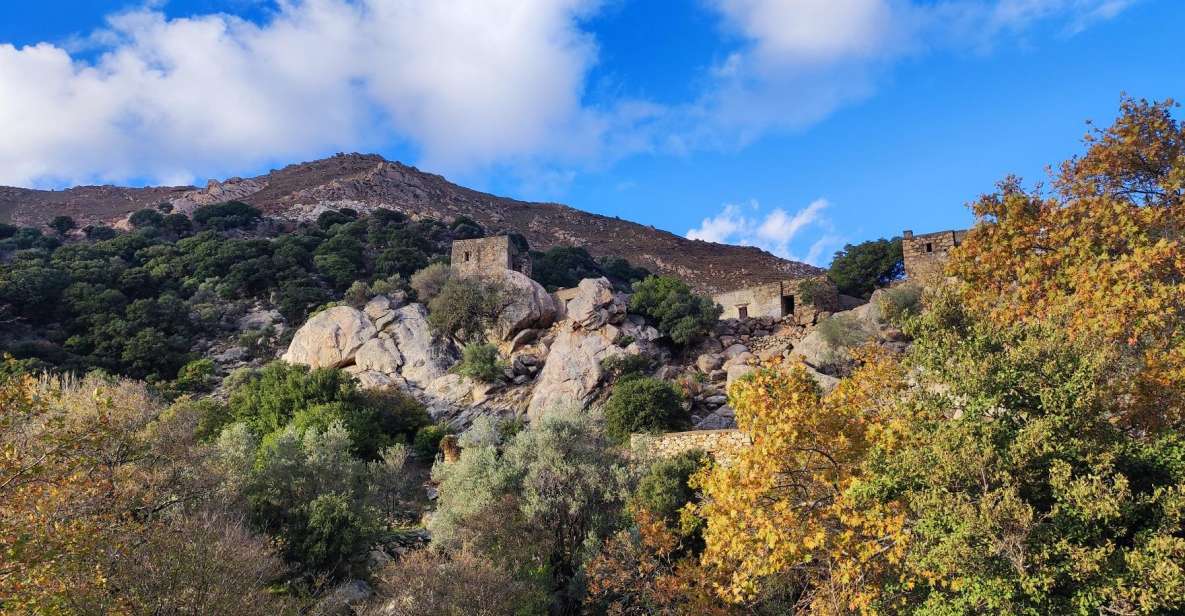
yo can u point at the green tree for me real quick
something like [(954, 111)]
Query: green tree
[(860, 269), (643, 404), (465, 307), (481, 362), (62, 224), (146, 218), (677, 312)]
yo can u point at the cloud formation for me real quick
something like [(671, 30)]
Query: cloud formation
[(466, 84), (773, 231)]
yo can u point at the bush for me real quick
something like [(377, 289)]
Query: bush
[(664, 490), (428, 582), (624, 366), (196, 376), (427, 442), (677, 312), (465, 308), (62, 224), (229, 215), (146, 218), (281, 394), (428, 282), (842, 331), (812, 291), (899, 302), (643, 405), (860, 269), (481, 362)]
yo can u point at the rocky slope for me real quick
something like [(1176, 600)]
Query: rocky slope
[(365, 182), (388, 343)]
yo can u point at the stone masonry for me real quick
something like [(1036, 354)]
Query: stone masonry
[(723, 445), (488, 255), (926, 254), (774, 299)]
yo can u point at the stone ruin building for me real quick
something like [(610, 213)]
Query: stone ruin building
[(926, 254), (489, 255), (776, 299)]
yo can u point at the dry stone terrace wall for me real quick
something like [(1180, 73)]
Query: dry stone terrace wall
[(723, 445), (926, 254)]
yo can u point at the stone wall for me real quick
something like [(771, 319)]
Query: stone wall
[(488, 255), (775, 299), (722, 445), (926, 254)]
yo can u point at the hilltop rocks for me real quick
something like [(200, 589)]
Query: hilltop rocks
[(530, 306), (331, 338)]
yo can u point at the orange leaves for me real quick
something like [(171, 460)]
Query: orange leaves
[(1104, 259)]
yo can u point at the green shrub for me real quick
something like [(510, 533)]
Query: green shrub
[(860, 269), (842, 331), (481, 362), (229, 215), (664, 490), (900, 302), (465, 308), (282, 394), (146, 218), (643, 405), (427, 441), (812, 291), (677, 312), (196, 376), (62, 224), (428, 282), (624, 366)]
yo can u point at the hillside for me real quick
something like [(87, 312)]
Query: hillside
[(365, 182)]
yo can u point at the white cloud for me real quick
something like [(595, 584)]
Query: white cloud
[(468, 82), (774, 231)]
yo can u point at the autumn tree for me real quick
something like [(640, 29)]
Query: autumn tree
[(1101, 256)]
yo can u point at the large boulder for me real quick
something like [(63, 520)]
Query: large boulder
[(380, 355), (596, 304), (572, 370), (529, 306), (330, 339), (425, 356)]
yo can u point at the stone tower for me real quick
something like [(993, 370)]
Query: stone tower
[(926, 255), (488, 255)]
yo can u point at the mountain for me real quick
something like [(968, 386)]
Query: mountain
[(365, 182)]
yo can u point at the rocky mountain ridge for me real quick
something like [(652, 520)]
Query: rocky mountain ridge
[(366, 182)]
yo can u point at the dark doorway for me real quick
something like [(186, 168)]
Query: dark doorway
[(787, 305), (929, 247), (742, 312)]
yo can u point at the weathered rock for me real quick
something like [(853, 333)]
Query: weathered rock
[(330, 338), (529, 306), (740, 359), (571, 372), (377, 307), (523, 338), (826, 382), (734, 350), (370, 379), (425, 356), (259, 319), (722, 418), (596, 304), (379, 355), (738, 371), (715, 400), (708, 362)]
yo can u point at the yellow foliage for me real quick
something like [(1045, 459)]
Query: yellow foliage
[(780, 512)]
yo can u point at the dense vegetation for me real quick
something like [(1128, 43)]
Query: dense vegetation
[(860, 269), (565, 266), (1024, 456)]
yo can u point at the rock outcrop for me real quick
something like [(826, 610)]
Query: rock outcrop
[(331, 338), (529, 306), (591, 333)]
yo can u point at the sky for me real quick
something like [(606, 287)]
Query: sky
[(793, 125)]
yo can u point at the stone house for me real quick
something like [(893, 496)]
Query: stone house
[(777, 299), (926, 254), (489, 255)]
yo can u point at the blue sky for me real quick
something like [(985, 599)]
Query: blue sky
[(795, 125)]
